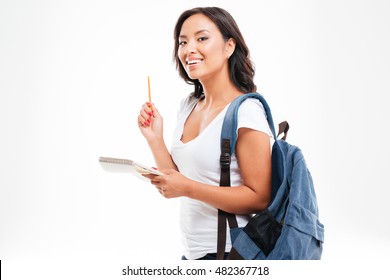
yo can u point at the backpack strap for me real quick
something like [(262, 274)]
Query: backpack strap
[(283, 128), (229, 127), (228, 143), (224, 161)]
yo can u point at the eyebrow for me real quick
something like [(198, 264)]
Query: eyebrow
[(196, 33)]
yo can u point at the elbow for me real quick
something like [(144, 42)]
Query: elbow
[(255, 202), (262, 201), (262, 204)]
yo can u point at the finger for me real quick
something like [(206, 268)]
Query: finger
[(155, 181), (144, 113), (149, 176), (148, 109), (161, 190), (142, 121)]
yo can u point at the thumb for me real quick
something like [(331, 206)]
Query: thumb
[(155, 111), (168, 171), (165, 171)]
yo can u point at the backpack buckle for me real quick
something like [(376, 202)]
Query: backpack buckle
[(225, 160)]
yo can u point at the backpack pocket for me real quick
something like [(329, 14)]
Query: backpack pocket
[(301, 238), (264, 231), (258, 237), (305, 221)]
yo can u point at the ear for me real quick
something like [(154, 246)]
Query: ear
[(230, 47)]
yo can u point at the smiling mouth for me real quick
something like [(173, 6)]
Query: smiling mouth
[(193, 62)]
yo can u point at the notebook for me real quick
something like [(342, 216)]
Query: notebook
[(119, 165)]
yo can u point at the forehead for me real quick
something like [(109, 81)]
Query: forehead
[(196, 23)]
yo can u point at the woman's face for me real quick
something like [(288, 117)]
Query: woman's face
[(202, 50)]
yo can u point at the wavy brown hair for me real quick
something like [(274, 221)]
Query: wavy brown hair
[(240, 66)]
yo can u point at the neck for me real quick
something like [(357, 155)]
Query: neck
[(219, 92)]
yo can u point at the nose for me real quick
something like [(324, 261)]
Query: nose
[(191, 47)]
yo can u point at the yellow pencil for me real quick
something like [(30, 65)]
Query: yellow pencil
[(149, 94)]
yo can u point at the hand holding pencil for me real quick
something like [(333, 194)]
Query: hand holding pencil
[(149, 119)]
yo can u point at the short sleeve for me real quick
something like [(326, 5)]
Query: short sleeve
[(251, 114), (186, 105)]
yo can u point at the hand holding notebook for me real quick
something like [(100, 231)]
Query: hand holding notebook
[(118, 165)]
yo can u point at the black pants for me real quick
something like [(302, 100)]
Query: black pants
[(211, 256)]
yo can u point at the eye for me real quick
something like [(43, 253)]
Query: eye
[(181, 43), (203, 38)]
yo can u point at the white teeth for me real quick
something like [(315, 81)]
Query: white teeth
[(196, 61)]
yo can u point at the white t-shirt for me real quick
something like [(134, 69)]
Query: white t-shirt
[(198, 160)]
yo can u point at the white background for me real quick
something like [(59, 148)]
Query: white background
[(73, 75)]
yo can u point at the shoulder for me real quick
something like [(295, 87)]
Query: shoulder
[(251, 114), (187, 104), (189, 100), (252, 108)]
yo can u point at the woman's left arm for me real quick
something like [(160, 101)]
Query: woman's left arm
[(254, 157)]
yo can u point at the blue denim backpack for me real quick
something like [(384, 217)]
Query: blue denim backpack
[(289, 229)]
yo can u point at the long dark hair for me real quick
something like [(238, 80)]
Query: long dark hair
[(240, 66)]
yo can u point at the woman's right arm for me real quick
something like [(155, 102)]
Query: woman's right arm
[(150, 124)]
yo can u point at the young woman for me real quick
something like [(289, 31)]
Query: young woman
[(211, 54)]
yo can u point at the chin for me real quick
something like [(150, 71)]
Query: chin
[(192, 76), (195, 75)]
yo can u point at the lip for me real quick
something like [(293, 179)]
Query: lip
[(193, 61)]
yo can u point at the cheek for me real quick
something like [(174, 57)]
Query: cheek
[(213, 52), (181, 57)]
